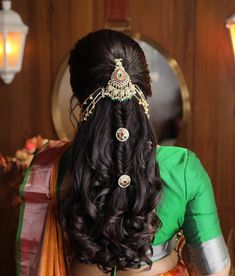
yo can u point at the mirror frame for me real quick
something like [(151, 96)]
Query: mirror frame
[(55, 111)]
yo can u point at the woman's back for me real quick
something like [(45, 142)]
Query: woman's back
[(187, 205), (125, 201), (183, 179)]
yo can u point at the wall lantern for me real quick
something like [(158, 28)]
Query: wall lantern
[(230, 24), (12, 41)]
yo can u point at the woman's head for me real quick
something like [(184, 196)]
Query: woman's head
[(106, 224), (93, 60)]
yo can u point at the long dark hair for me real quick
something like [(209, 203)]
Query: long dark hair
[(108, 225)]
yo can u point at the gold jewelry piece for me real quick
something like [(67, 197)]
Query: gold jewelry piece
[(124, 181), (122, 134), (119, 88)]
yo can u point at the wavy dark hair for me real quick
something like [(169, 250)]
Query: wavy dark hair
[(108, 225)]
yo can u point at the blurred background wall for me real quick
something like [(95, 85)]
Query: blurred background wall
[(191, 31)]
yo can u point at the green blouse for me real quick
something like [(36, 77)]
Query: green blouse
[(187, 203), (187, 200), (187, 197)]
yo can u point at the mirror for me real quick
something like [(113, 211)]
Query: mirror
[(169, 104), (167, 109)]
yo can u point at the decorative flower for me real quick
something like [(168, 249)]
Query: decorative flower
[(30, 146), (23, 157), (5, 163)]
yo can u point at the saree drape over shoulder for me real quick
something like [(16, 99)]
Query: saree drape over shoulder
[(187, 204), (39, 238)]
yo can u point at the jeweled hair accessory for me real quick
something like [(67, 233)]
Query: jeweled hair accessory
[(124, 181), (122, 134), (119, 88)]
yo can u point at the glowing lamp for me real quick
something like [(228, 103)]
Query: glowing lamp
[(12, 41), (230, 24)]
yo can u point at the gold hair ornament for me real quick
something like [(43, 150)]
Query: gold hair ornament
[(124, 181), (122, 134), (119, 88)]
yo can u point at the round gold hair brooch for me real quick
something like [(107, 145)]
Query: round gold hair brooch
[(122, 134), (124, 181)]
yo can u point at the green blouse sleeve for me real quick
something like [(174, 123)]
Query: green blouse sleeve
[(201, 221)]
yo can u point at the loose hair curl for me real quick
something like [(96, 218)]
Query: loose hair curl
[(108, 225)]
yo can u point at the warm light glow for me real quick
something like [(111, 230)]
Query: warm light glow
[(230, 24), (11, 47), (1, 50), (12, 41), (232, 33), (8, 48)]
